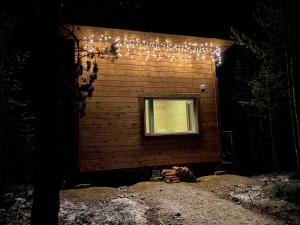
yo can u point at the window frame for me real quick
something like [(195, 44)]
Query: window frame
[(151, 116)]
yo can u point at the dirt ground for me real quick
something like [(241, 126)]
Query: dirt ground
[(225, 199)]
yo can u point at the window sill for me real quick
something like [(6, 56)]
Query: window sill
[(171, 134)]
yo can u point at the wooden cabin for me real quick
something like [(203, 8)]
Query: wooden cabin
[(155, 105)]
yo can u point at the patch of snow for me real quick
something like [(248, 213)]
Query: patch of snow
[(273, 178), (136, 210), (245, 194), (18, 208), (117, 211)]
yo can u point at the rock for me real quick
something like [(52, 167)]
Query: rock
[(220, 172), (122, 188), (156, 179), (79, 186), (155, 173), (168, 180), (185, 174), (8, 199), (178, 214)]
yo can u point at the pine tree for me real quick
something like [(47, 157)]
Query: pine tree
[(271, 84)]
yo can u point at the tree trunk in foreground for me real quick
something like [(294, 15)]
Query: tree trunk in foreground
[(46, 84)]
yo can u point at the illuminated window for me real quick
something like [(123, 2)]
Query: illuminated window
[(170, 116)]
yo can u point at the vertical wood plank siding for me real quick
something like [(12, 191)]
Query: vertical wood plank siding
[(111, 132)]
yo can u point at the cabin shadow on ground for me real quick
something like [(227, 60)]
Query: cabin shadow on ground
[(127, 177)]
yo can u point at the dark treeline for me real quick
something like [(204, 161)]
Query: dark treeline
[(17, 120), (259, 89), (40, 103)]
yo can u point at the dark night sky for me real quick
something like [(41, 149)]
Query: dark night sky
[(198, 18)]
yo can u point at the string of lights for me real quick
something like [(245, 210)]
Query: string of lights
[(157, 50)]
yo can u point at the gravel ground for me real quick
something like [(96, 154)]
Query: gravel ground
[(255, 193), (185, 203), (225, 199), (156, 203)]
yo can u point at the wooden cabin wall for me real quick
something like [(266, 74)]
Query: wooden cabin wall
[(111, 132)]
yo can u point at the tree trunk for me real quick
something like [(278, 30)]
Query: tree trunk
[(293, 109), (46, 84), (269, 116), (295, 112), (291, 90), (1, 126)]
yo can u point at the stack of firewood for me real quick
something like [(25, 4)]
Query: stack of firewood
[(177, 174), (170, 175)]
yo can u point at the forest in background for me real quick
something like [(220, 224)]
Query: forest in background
[(259, 90)]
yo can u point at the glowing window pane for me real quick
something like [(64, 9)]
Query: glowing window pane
[(168, 116)]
